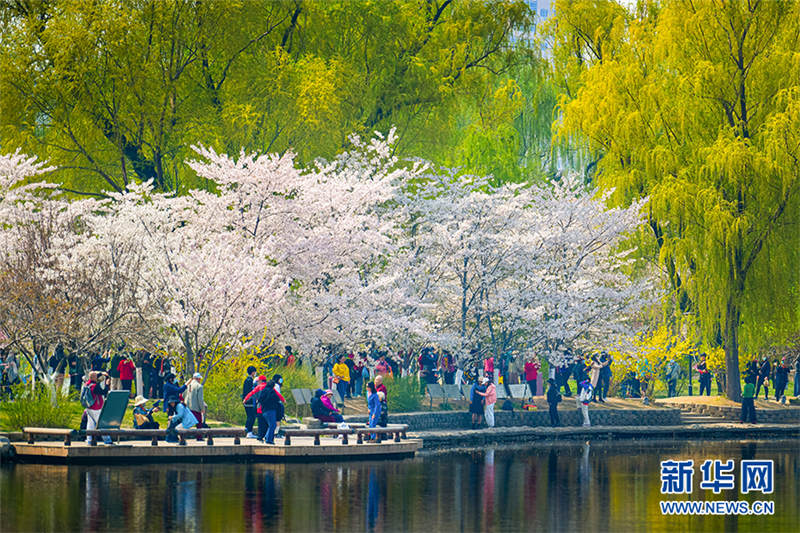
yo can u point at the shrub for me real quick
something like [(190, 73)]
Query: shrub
[(297, 378), (404, 394), (223, 389), (37, 408)]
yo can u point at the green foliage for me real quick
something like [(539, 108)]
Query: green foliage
[(696, 105), (295, 377), (113, 92), (404, 395), (37, 408), (222, 390)]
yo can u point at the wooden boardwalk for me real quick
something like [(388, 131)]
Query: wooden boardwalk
[(302, 449)]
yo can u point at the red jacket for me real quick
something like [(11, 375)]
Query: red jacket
[(256, 390), (531, 371), (126, 369), (98, 393)]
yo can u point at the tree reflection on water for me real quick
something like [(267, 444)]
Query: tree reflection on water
[(600, 486)]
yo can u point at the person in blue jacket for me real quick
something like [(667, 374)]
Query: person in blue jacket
[(183, 417), (171, 391), (374, 405)]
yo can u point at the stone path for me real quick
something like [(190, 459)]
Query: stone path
[(692, 418), (505, 435)]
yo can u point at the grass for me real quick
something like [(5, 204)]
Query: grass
[(69, 416)]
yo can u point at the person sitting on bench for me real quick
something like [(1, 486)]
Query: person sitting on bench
[(143, 417), (322, 409), (183, 417)]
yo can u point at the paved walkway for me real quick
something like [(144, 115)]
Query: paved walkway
[(690, 430)]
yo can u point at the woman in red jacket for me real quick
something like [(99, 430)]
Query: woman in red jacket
[(126, 369)]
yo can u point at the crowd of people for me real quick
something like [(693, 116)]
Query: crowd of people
[(352, 375)]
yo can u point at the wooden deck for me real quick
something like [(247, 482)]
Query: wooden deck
[(302, 449)]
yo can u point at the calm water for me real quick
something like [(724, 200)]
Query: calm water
[(598, 487)]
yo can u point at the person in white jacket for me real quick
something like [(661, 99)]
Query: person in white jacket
[(584, 397)]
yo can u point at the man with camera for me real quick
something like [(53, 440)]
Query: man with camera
[(93, 395)]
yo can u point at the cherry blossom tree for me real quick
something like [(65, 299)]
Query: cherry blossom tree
[(537, 266), (363, 248), (62, 282)]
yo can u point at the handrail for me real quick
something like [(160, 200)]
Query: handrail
[(398, 430), (154, 434)]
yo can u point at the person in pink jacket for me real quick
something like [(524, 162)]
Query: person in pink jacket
[(491, 398)]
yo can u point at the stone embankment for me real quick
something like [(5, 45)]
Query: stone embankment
[(447, 430), (785, 415), (456, 420)]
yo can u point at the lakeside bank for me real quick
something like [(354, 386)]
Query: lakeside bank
[(444, 430)]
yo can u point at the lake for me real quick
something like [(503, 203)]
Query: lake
[(612, 486)]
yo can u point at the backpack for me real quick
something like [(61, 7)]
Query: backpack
[(87, 398)]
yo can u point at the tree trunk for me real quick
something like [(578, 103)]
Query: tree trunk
[(733, 387), (189, 355)]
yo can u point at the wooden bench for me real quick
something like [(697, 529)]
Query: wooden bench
[(61, 432), (398, 430), (154, 434)]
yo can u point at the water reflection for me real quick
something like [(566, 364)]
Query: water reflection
[(604, 487)]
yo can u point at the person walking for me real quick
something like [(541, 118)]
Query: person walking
[(269, 400), (673, 373), (476, 403), (781, 380), (489, 399), (583, 400), (703, 375), (249, 406), (194, 398), (374, 406), (281, 411), (252, 396), (341, 378), (748, 401), (764, 370), (553, 399)]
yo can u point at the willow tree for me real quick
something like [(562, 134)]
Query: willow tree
[(699, 109), (116, 92)]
